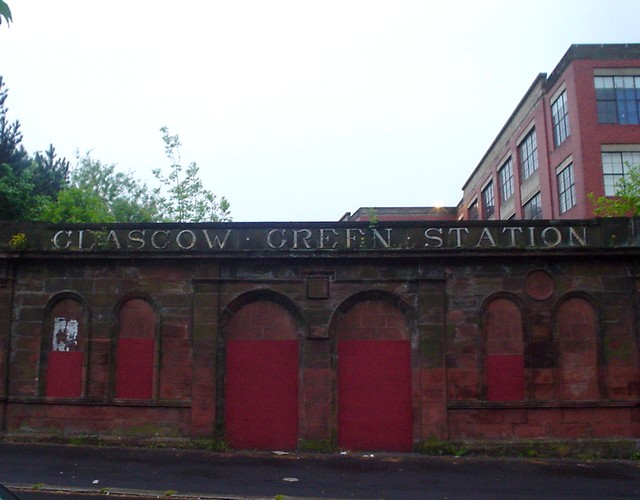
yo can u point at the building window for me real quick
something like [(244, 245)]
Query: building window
[(618, 99), (505, 176), (488, 203), (615, 166), (473, 210), (566, 189), (528, 150), (560, 117), (533, 208)]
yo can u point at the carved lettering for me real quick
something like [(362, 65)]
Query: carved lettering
[(389, 239), (306, 235), (186, 236), (137, 237), (573, 234), (486, 234), (56, 240), (378, 237), (113, 237), (512, 234), (437, 239), (554, 240), (164, 238), (457, 231), (325, 238), (216, 239)]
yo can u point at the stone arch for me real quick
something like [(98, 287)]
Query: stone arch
[(258, 375), (503, 345), (136, 347), (371, 334), (66, 336), (578, 335)]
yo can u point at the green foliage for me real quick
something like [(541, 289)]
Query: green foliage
[(626, 202), (77, 205), (45, 188), (100, 193), (49, 173), (26, 185), (5, 12), (18, 241), (187, 200), (17, 201)]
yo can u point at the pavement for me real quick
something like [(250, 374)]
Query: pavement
[(34, 470)]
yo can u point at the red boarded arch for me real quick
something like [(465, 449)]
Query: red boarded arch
[(136, 350), (66, 338), (261, 383), (374, 378), (505, 351), (577, 328)]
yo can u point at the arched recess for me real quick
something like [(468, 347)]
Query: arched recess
[(504, 348), (260, 339), (136, 348), (579, 340), (65, 342), (373, 332)]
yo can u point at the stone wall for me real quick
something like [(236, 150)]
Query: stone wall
[(347, 336)]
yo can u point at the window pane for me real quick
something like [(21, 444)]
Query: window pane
[(560, 119), (505, 177), (566, 189), (618, 99), (615, 166)]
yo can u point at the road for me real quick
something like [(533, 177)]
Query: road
[(79, 470)]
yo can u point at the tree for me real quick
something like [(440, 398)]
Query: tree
[(26, 184), (187, 199), (17, 201), (49, 173), (626, 202), (5, 12), (99, 193), (11, 150)]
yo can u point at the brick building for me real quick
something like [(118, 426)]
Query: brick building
[(349, 335), (575, 132)]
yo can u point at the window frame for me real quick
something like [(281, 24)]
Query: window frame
[(472, 210), (560, 118), (528, 154), (488, 200), (617, 99), (566, 188), (537, 214), (505, 180), (614, 172)]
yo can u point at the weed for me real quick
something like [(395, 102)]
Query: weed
[(18, 242), (78, 441)]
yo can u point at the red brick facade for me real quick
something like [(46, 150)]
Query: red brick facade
[(346, 335), (588, 137)]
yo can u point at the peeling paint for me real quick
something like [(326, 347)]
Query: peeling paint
[(65, 334)]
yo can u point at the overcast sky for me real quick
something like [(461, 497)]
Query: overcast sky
[(294, 110)]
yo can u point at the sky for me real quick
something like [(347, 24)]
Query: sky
[(293, 110)]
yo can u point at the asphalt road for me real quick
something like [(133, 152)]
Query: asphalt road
[(80, 470)]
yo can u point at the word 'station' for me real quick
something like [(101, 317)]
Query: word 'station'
[(322, 239)]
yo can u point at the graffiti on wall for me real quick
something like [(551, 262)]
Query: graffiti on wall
[(65, 334)]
